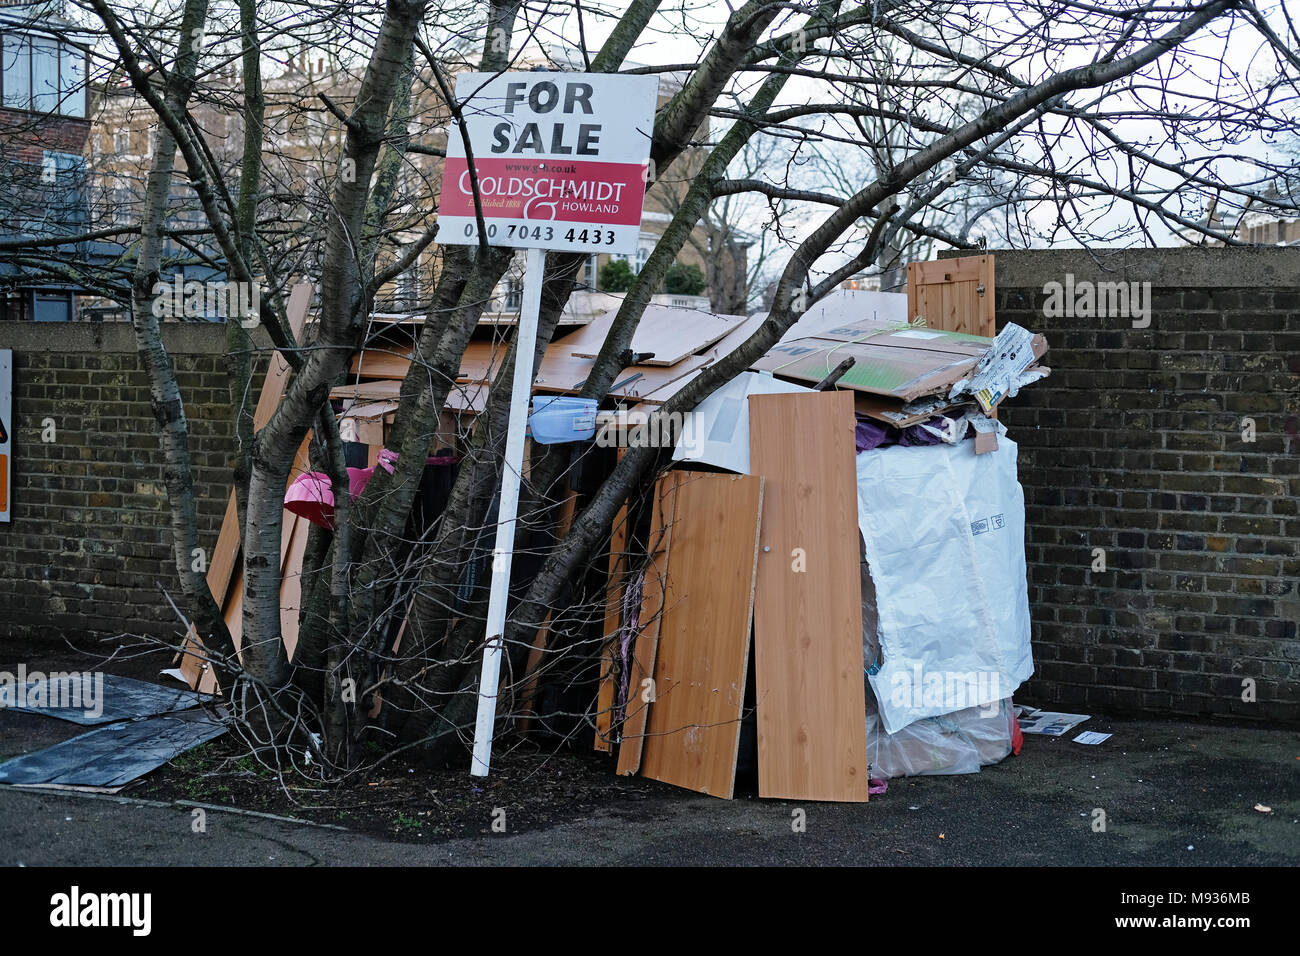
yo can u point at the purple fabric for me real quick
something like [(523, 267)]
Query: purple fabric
[(871, 434), (631, 621)]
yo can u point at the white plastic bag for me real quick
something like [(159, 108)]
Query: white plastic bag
[(943, 533), (954, 743)]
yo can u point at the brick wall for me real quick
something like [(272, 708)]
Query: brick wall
[(26, 136), (90, 541), (1135, 445)]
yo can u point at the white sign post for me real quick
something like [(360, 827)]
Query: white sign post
[(560, 161)]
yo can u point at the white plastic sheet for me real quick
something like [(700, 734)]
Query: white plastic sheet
[(717, 432), (954, 743), (943, 531)]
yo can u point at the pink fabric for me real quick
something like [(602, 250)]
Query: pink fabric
[(311, 496)]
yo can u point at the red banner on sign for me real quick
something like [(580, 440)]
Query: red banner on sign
[(546, 190)]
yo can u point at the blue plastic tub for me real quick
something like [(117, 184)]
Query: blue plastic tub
[(562, 418)]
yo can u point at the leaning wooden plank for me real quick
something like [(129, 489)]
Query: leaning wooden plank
[(531, 682), (226, 553), (613, 620), (808, 611), (291, 585), (641, 668), (693, 735)]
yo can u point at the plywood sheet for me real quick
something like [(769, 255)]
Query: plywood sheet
[(953, 294), (382, 362), (808, 608), (564, 374), (482, 360), (671, 334), (693, 734), (613, 620), (291, 585), (642, 665), (116, 754), (376, 391), (226, 552)]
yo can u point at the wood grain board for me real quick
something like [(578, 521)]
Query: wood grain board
[(671, 334), (808, 623), (382, 362), (955, 295), (613, 621), (532, 679), (481, 361), (563, 373), (692, 737), (642, 665), (376, 391), (226, 552)]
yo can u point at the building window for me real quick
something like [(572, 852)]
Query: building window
[(51, 306), (123, 203), (642, 254), (122, 141), (42, 74), (514, 294)]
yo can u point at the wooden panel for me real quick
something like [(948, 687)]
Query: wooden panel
[(382, 362), (468, 397), (376, 391), (693, 734), (671, 334), (563, 374), (226, 551), (735, 338), (808, 611), (642, 665), (613, 620), (531, 682), (955, 295), (291, 585), (481, 361)]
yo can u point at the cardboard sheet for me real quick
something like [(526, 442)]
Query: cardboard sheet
[(905, 373)]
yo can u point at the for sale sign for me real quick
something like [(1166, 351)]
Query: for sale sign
[(560, 158)]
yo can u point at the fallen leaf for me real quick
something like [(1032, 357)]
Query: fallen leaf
[(940, 836), (1263, 809)]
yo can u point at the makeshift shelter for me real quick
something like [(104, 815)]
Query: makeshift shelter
[(845, 513)]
